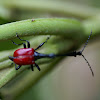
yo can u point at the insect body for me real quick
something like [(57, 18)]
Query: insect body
[(28, 56)]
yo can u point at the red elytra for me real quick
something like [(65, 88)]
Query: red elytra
[(28, 56), (24, 56)]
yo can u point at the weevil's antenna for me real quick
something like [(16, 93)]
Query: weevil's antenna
[(88, 65), (83, 55), (86, 42)]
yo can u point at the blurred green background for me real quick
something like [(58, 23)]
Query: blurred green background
[(71, 79)]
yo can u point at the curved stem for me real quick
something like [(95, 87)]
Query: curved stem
[(49, 26)]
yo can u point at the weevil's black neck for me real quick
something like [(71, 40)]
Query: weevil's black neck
[(40, 55)]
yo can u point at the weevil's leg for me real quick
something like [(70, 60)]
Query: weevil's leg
[(17, 67), (32, 68), (19, 44), (11, 58), (28, 43), (11, 64), (43, 43), (37, 67)]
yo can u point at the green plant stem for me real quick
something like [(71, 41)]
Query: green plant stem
[(5, 64), (50, 26), (92, 24), (57, 7), (4, 55), (4, 13)]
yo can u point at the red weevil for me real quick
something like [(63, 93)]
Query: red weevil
[(28, 56)]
